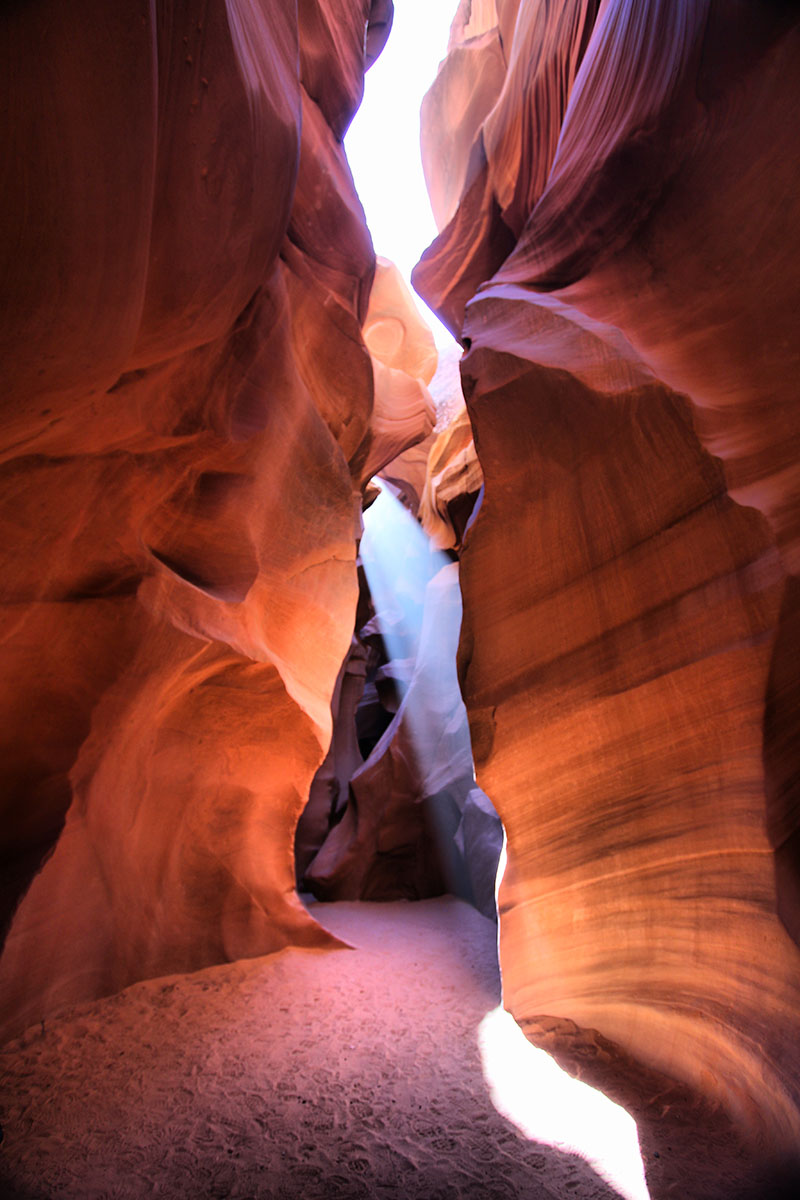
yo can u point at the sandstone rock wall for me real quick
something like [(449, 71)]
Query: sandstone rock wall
[(186, 426), (630, 633)]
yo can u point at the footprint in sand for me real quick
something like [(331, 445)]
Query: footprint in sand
[(360, 1110)]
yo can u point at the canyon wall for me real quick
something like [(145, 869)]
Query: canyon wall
[(190, 416), (188, 420), (617, 192)]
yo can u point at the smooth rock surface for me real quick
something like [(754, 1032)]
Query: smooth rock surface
[(629, 647), (186, 422)]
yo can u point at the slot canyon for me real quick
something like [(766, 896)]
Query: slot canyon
[(401, 766)]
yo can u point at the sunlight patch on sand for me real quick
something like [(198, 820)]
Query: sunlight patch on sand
[(547, 1105)]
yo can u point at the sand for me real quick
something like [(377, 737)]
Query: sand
[(343, 1074)]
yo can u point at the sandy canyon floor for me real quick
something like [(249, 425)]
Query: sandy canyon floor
[(386, 1070)]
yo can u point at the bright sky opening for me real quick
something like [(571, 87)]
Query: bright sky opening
[(382, 143)]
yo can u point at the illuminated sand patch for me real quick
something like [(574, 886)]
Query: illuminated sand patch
[(548, 1105)]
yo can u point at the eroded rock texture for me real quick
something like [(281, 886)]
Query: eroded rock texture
[(453, 482), (629, 654), (187, 422), (403, 362)]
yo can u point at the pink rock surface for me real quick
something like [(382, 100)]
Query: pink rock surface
[(329, 790), (403, 362), (453, 481), (187, 416)]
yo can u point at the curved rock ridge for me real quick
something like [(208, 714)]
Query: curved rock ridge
[(520, 73), (622, 268), (404, 360), (409, 473), (394, 331), (695, 258), (187, 417), (453, 481)]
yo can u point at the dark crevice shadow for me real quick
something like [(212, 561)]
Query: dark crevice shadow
[(10, 1191), (777, 1180), (782, 759)]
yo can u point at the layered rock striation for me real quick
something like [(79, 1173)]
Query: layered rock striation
[(188, 420), (621, 264)]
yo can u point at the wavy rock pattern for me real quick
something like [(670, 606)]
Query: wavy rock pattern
[(453, 480), (628, 654), (404, 362), (187, 420)]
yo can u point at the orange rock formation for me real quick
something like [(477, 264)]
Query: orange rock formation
[(187, 423), (629, 655), (191, 414)]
